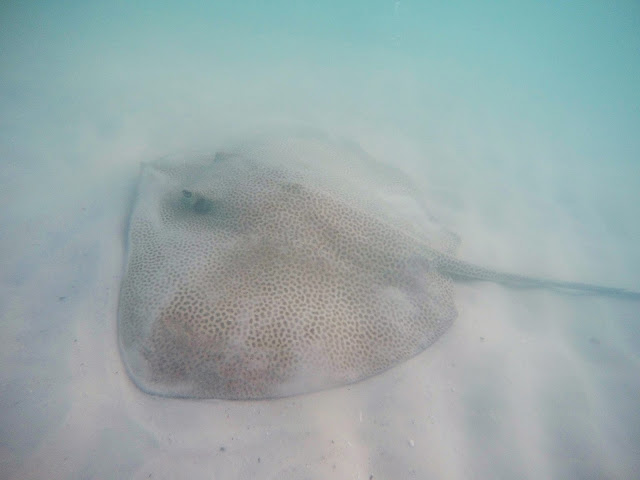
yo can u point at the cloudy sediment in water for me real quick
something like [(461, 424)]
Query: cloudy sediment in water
[(518, 124)]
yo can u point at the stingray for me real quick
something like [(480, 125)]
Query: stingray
[(281, 268)]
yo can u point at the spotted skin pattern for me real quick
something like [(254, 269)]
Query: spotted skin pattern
[(248, 278)]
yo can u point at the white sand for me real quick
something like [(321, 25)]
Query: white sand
[(526, 384)]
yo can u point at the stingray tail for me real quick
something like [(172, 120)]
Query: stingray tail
[(467, 271)]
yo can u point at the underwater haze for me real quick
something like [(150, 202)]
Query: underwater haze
[(519, 126)]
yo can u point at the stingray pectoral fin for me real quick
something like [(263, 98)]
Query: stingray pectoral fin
[(461, 270), (254, 277)]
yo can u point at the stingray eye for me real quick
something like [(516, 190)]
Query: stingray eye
[(196, 202)]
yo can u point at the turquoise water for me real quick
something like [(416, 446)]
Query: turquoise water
[(567, 72), (518, 121)]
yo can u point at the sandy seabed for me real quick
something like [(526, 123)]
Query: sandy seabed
[(526, 384)]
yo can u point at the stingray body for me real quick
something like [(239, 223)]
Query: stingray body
[(277, 270)]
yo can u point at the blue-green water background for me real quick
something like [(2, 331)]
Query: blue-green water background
[(521, 121), (568, 71)]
